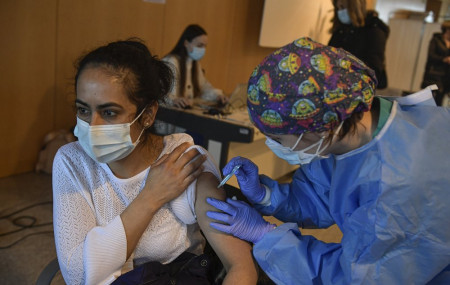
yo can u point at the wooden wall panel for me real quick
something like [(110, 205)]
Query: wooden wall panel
[(402, 50), (27, 56), (85, 24), (43, 39), (245, 53)]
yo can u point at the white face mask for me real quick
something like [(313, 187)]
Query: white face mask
[(344, 17), (299, 156), (106, 143), (197, 53)]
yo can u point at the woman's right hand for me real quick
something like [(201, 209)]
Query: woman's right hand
[(248, 178), (173, 173), (181, 102)]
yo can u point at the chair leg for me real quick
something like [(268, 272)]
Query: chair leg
[(46, 276)]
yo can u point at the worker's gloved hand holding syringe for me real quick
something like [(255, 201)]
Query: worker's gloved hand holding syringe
[(241, 220), (248, 178)]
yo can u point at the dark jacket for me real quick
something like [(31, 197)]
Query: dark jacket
[(436, 71), (367, 43)]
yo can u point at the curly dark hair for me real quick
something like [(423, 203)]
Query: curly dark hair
[(145, 78)]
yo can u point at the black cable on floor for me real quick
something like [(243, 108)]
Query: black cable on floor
[(24, 222)]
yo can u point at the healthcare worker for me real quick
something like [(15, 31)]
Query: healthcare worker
[(378, 169)]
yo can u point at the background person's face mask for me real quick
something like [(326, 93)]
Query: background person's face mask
[(344, 17), (197, 53), (106, 143)]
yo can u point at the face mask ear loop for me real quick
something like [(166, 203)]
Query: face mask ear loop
[(140, 114), (137, 141), (337, 131), (319, 151), (298, 140), (334, 135)]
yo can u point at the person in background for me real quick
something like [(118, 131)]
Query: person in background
[(437, 69), (190, 82), (376, 168), (124, 197), (361, 33)]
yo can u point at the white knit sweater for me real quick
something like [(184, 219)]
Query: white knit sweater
[(89, 235)]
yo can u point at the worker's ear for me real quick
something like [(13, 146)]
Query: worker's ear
[(149, 115)]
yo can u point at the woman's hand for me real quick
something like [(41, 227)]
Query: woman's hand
[(181, 102), (447, 59), (173, 173), (223, 99), (167, 179)]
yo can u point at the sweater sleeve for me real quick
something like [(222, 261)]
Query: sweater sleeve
[(87, 253)]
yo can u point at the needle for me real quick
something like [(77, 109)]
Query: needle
[(229, 176)]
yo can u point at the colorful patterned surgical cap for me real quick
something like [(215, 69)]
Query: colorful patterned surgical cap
[(308, 87)]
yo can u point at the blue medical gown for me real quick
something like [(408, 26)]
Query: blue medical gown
[(390, 198)]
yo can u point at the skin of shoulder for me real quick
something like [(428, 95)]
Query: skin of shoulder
[(235, 254)]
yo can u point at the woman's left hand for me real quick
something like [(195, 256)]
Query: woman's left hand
[(223, 99), (173, 173), (240, 219)]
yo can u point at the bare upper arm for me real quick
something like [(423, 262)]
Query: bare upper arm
[(235, 254)]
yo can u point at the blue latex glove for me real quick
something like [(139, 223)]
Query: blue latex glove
[(240, 219), (247, 177)]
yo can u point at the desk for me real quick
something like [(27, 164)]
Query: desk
[(227, 137), (218, 131)]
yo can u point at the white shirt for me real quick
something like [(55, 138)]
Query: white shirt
[(207, 91), (89, 235)]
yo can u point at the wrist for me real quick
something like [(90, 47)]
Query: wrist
[(153, 202), (268, 227), (259, 195)]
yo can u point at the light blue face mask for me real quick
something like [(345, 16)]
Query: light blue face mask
[(292, 156), (344, 17), (300, 157), (197, 53)]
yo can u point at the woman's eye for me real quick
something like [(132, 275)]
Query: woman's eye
[(82, 112), (109, 113)]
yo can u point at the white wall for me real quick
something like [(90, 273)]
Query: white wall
[(286, 20), (386, 7)]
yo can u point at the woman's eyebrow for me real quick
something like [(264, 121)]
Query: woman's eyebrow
[(78, 101), (107, 105), (102, 106)]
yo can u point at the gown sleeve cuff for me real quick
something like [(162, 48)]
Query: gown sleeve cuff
[(266, 201)]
